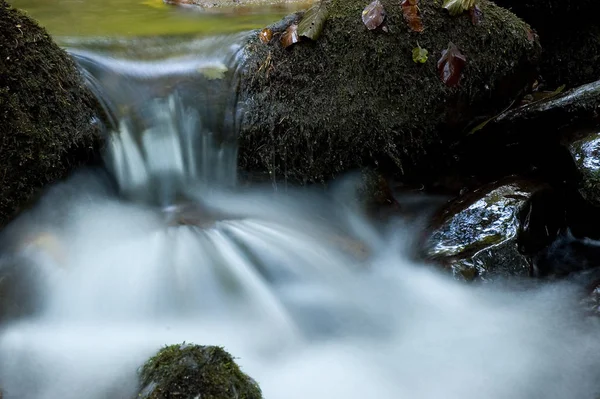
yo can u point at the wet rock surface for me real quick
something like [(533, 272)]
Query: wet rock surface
[(46, 113), (355, 98), (586, 155), (491, 232), (193, 371)]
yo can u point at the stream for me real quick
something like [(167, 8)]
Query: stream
[(161, 245)]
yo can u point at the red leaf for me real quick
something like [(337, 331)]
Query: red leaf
[(373, 15), (476, 15), (451, 65), (290, 36), (410, 10)]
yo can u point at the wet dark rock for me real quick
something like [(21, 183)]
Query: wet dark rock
[(567, 255), (492, 232), (570, 37), (533, 136), (46, 114), (549, 118), (586, 154), (355, 98), (193, 371), (591, 302)]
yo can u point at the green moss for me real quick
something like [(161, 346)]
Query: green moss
[(355, 97), (191, 371), (46, 112)]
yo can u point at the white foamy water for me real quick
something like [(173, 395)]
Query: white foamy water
[(304, 318)]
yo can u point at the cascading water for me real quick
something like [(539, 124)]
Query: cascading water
[(313, 300)]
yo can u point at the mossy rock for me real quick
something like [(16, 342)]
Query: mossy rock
[(46, 113), (355, 98), (193, 371)]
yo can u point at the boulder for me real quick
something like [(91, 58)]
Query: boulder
[(569, 34), (354, 97), (48, 120), (586, 155), (493, 231), (193, 371)]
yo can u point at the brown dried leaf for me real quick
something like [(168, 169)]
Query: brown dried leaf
[(266, 35), (451, 65), (476, 15), (410, 10), (290, 36), (313, 21), (373, 15)]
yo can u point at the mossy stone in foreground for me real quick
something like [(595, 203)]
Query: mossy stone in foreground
[(356, 98), (193, 371), (46, 112)]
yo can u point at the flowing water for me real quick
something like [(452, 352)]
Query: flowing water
[(160, 246)]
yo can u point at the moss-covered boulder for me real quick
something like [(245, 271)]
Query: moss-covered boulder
[(193, 371), (355, 97), (46, 113)]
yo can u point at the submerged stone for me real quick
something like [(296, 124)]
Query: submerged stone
[(46, 113), (192, 371), (586, 154), (491, 232), (355, 98)]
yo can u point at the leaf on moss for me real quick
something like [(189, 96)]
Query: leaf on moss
[(457, 7), (419, 55), (451, 65), (476, 15), (266, 35), (410, 10), (290, 36), (373, 15), (313, 21)]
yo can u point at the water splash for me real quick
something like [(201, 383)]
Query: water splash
[(313, 299)]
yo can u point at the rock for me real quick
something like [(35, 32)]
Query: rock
[(355, 98), (192, 371), (46, 113), (586, 154), (533, 135), (567, 256), (492, 232), (569, 34)]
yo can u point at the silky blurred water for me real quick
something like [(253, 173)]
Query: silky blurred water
[(160, 246)]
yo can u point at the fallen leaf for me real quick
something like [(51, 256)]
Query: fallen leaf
[(419, 55), (456, 7), (476, 15), (266, 35), (290, 36), (451, 65), (410, 10), (373, 15), (313, 20)]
